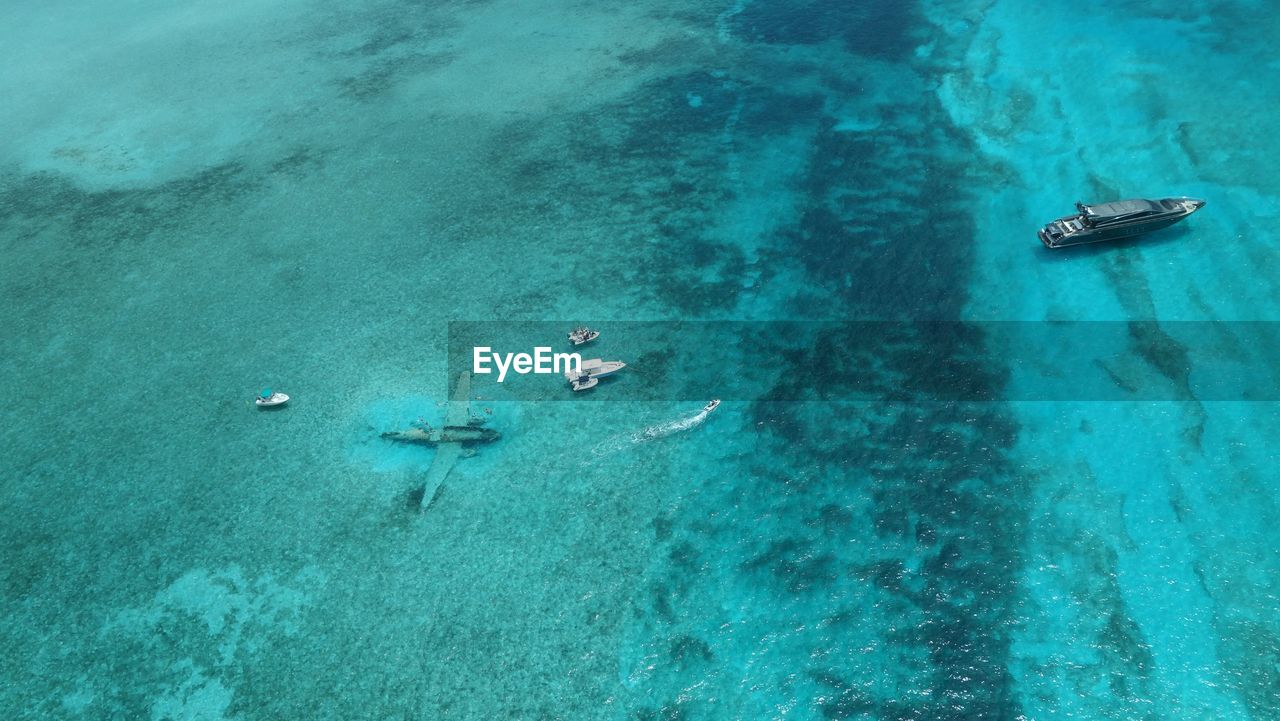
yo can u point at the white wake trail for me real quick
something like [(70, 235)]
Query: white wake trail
[(666, 429), (621, 442)]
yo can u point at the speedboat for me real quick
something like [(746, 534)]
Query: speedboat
[(1117, 219), (583, 382), (268, 398), (583, 334), (597, 368), (711, 406)]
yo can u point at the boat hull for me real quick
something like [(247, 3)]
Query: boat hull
[(1098, 234), (596, 368), (1103, 235)]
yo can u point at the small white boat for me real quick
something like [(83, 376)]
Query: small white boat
[(583, 382), (597, 368), (582, 334), (269, 398), (711, 406)]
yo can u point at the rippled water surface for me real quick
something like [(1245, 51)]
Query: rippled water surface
[(199, 199)]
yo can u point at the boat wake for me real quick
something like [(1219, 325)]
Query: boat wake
[(651, 433), (666, 429)]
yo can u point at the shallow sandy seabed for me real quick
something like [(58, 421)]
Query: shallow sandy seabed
[(198, 200)]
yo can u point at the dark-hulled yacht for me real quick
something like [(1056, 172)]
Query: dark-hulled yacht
[(1117, 219)]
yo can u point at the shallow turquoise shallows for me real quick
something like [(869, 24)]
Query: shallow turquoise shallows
[(202, 199)]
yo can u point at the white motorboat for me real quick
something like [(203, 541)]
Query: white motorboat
[(597, 368), (711, 406), (268, 398), (583, 382), (583, 334)]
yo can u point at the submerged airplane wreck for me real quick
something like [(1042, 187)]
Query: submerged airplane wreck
[(459, 431), (447, 434)]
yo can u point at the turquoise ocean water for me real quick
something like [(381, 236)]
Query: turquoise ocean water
[(198, 199)]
